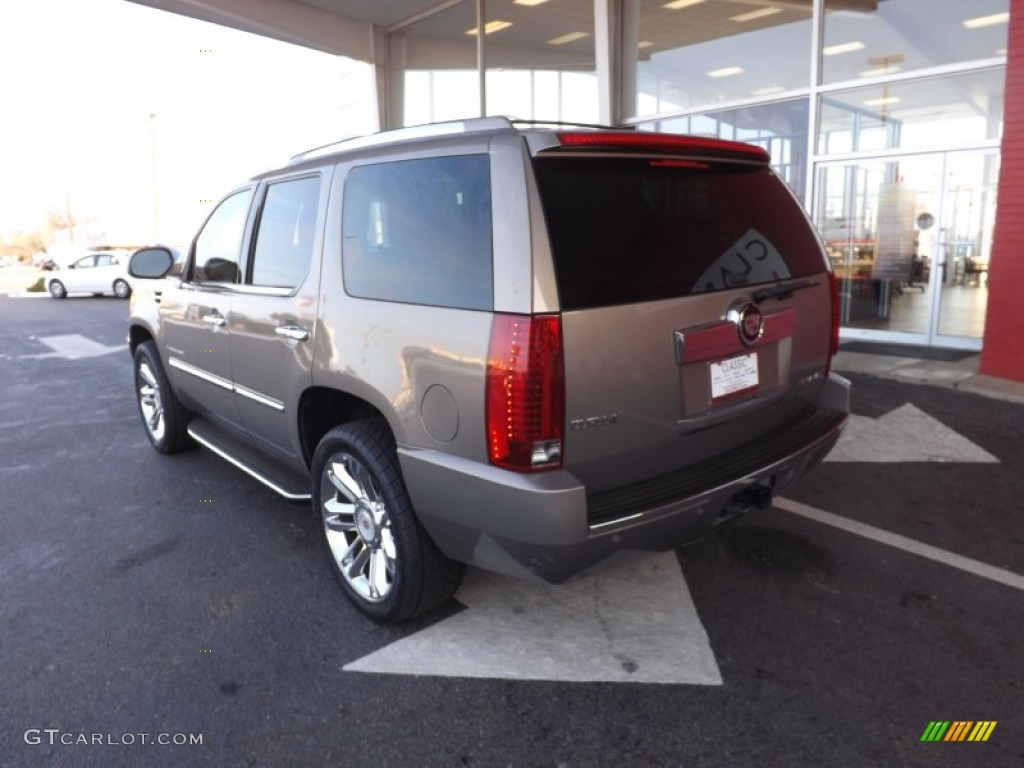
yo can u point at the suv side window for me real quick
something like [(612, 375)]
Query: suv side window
[(218, 246), (419, 231), (285, 233)]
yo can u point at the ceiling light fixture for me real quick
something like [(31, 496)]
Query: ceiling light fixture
[(835, 50), (758, 14), (883, 102), (726, 72), (675, 5), (491, 27), (530, 2), (568, 38), (987, 21), (650, 43)]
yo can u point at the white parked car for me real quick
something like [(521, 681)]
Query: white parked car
[(95, 273)]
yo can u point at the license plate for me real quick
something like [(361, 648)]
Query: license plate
[(735, 375)]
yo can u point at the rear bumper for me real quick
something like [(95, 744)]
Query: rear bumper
[(544, 526)]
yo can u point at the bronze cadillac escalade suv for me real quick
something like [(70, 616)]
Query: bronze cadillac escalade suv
[(521, 348)]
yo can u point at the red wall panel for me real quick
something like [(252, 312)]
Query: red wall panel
[(1003, 352)]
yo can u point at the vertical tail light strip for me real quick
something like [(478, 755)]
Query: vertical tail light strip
[(525, 392), (833, 282)]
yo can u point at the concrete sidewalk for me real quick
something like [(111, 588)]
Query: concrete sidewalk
[(960, 374)]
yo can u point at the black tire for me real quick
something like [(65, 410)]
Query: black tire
[(121, 289), (163, 417), (57, 289), (372, 526)]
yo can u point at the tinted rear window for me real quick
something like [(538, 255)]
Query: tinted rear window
[(419, 232), (629, 230)]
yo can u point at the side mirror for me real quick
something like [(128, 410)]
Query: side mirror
[(151, 263)]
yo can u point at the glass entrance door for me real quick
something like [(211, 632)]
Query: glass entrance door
[(964, 241), (909, 238)]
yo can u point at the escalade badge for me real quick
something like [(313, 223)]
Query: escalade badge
[(604, 420), (749, 320)]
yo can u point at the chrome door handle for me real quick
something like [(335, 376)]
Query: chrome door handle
[(214, 319), (293, 332)]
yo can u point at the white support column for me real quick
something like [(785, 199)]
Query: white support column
[(604, 55), (629, 52), (481, 54), (381, 73), (395, 79), (813, 118)]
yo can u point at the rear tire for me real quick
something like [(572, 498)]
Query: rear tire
[(378, 550), (121, 289), (165, 419), (57, 289)]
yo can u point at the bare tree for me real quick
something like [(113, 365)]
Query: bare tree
[(62, 218)]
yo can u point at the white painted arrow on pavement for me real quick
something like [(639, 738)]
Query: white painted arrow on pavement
[(634, 624), (903, 435), (73, 346)]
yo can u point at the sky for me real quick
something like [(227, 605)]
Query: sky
[(140, 120)]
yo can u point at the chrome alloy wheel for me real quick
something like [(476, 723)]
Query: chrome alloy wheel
[(150, 403), (358, 527)]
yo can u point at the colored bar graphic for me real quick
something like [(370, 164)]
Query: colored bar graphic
[(982, 730), (959, 730)]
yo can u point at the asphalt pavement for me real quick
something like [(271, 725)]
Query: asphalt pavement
[(150, 599)]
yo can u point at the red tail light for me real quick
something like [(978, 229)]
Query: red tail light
[(833, 282), (525, 392)]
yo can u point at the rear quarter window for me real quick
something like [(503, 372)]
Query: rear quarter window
[(630, 230), (419, 232)]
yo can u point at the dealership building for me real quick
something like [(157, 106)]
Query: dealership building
[(898, 123)]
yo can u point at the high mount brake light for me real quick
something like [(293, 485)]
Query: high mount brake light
[(525, 392), (653, 140)]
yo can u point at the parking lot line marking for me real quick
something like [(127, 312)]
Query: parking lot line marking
[(976, 567)]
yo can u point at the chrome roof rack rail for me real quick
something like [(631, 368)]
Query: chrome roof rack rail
[(517, 122), (451, 128)]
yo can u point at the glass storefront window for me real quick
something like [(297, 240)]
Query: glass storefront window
[(541, 60), (910, 239), (540, 65), (972, 182), (694, 52), (440, 65), (870, 38), (926, 114), (867, 215), (435, 95), (781, 129)]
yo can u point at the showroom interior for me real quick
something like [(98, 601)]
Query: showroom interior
[(888, 119)]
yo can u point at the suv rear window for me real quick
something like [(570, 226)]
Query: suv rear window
[(630, 230)]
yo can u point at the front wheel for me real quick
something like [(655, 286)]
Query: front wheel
[(121, 289), (165, 419), (383, 558), (57, 289)]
